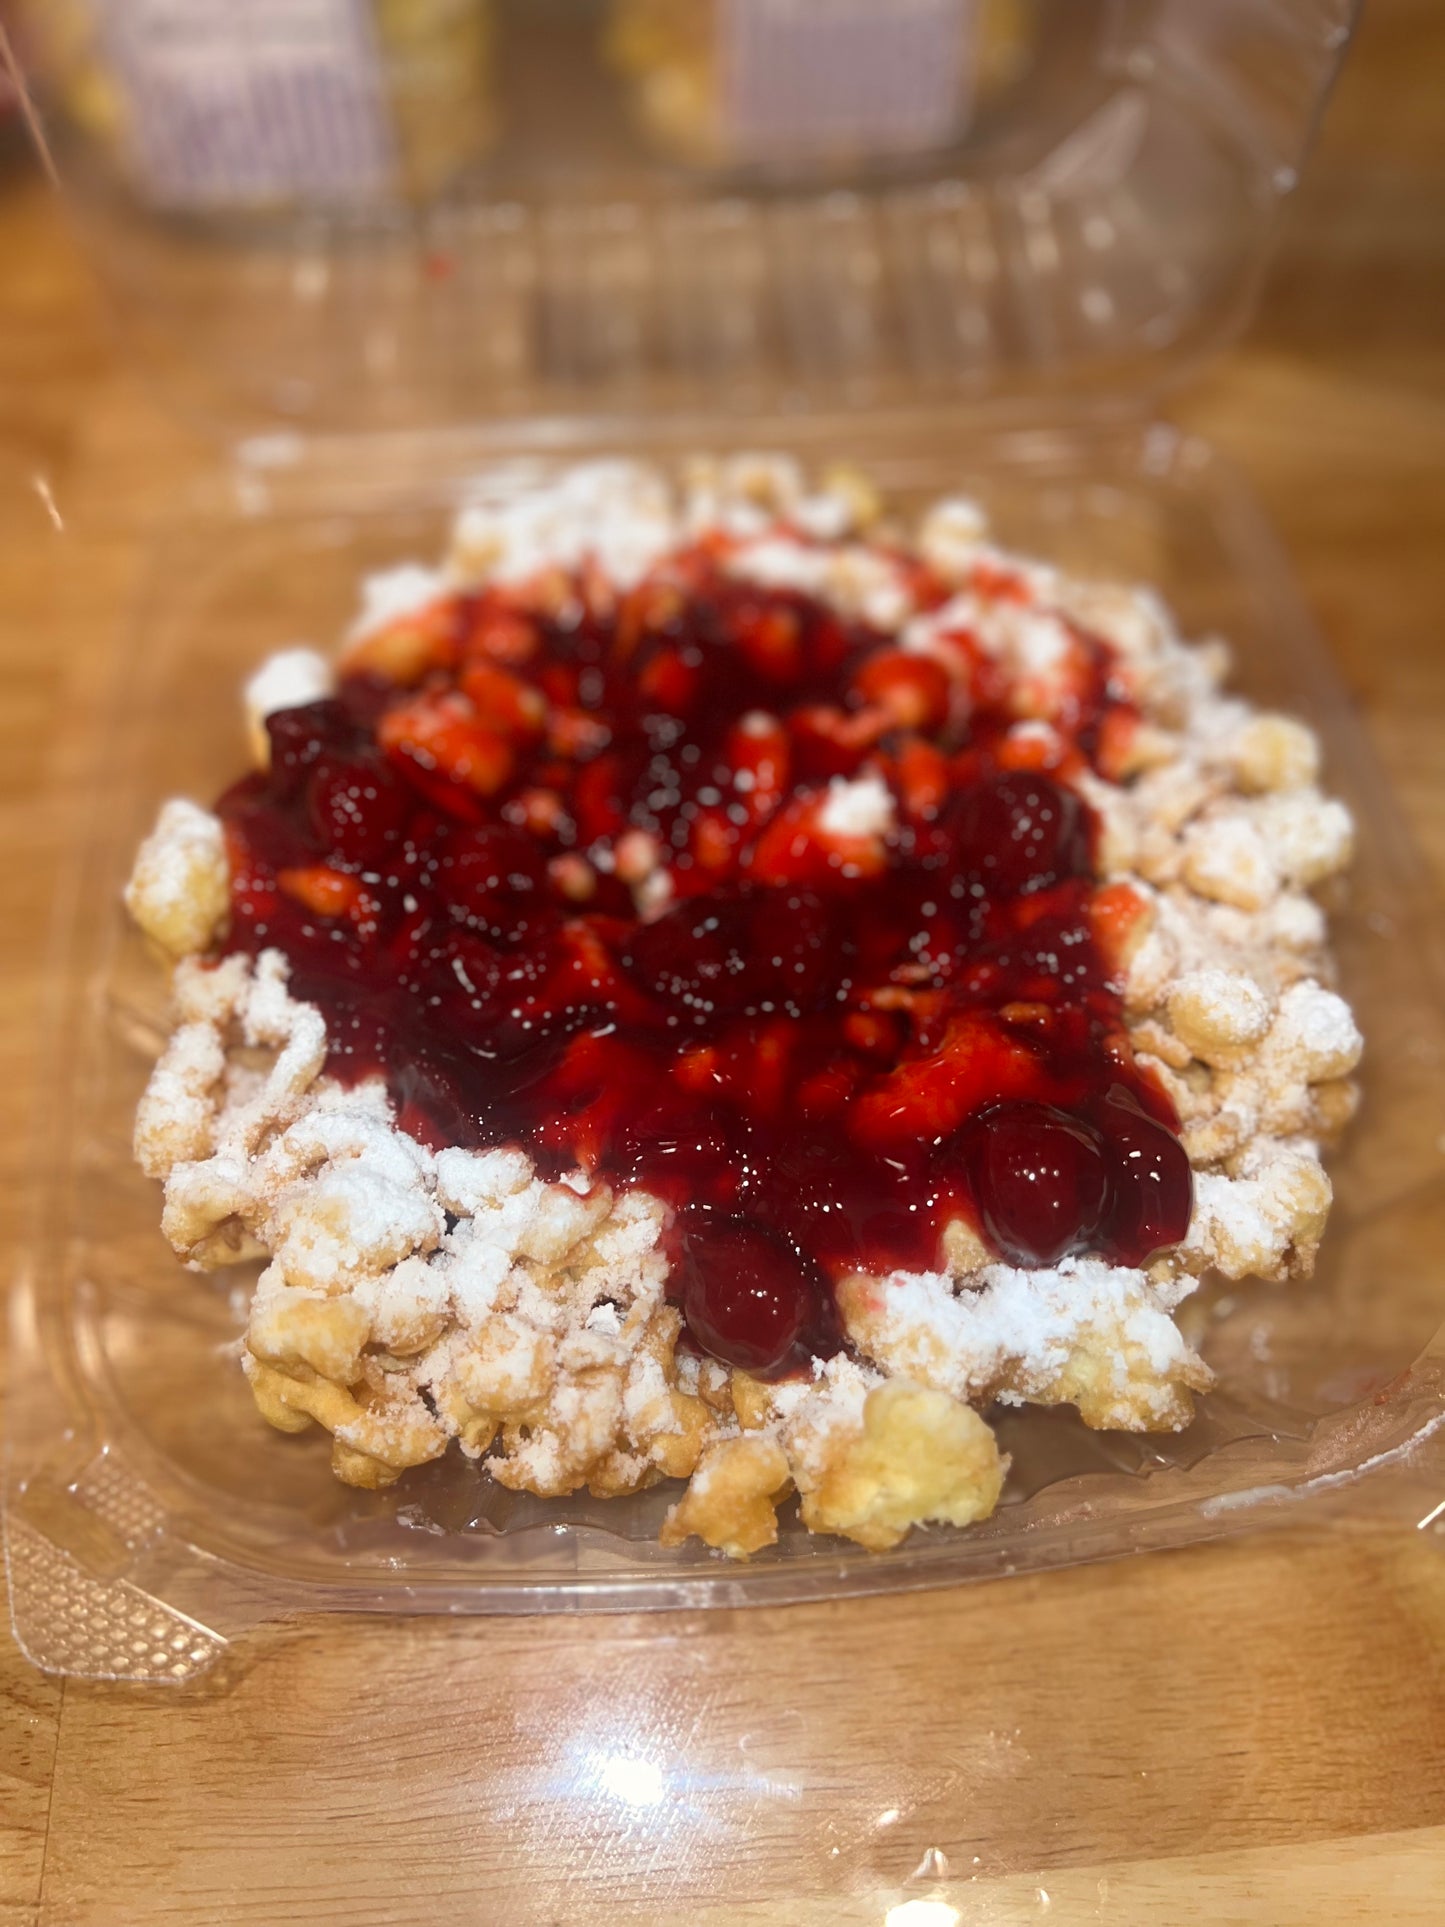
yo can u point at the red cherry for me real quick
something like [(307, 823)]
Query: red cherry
[(669, 676), (692, 960), (913, 689), (301, 735), (476, 862), (737, 951), (1055, 956), (462, 980), (1039, 1178), (1020, 832), (1151, 1184), (768, 632), (929, 932), (357, 808), (746, 1296), (793, 952), (270, 838)]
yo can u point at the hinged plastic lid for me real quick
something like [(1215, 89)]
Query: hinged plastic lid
[(541, 214)]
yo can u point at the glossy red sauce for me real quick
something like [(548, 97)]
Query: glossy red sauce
[(818, 1049)]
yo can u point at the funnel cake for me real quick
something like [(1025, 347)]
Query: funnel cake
[(709, 984)]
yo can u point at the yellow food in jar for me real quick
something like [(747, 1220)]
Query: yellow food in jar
[(673, 55), (424, 69)]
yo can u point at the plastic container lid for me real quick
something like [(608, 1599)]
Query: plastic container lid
[(152, 1517), (547, 215)]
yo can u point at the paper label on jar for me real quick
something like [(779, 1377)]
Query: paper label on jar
[(235, 102), (877, 76)]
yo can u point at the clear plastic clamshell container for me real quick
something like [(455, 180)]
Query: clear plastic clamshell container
[(981, 289)]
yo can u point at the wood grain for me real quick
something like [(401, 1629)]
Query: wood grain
[(1030, 1728), (1251, 1733)]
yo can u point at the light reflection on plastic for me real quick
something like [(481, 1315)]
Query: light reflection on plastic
[(922, 1913), (638, 1783), (41, 485), (933, 1865)]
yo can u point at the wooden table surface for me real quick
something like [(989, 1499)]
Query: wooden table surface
[(1251, 1732)]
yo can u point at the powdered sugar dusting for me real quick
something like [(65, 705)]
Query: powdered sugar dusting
[(1083, 1332), (394, 593), (860, 807)]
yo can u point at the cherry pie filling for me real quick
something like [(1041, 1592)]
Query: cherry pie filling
[(826, 1033)]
